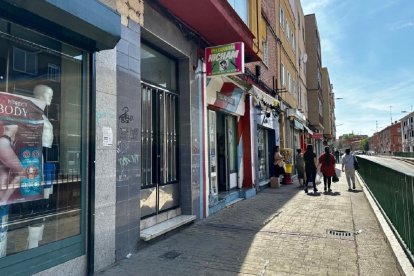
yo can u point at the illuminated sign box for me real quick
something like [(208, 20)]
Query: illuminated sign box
[(225, 60)]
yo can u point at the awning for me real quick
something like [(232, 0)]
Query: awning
[(223, 28), (261, 97), (308, 130), (89, 25)]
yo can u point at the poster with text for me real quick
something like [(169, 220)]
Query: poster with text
[(21, 129)]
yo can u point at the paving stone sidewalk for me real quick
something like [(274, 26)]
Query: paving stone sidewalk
[(278, 232)]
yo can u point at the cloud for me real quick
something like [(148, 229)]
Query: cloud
[(367, 101), (400, 26), (311, 6)]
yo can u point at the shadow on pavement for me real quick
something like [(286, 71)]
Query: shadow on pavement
[(332, 193)]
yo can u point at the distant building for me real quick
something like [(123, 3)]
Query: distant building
[(407, 133)]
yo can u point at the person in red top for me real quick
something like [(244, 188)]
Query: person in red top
[(327, 166)]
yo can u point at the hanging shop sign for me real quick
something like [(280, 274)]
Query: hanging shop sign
[(318, 136), (225, 60)]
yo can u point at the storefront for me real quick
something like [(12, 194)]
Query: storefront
[(266, 121), (45, 85), (225, 100)]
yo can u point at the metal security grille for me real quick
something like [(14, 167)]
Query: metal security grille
[(159, 150)]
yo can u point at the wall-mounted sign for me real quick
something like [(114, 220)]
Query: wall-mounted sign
[(317, 136), (225, 59)]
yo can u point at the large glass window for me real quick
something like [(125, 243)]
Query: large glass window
[(242, 9), (40, 140)]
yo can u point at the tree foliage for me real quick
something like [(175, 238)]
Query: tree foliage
[(364, 145)]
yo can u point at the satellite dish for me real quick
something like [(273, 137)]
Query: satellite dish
[(305, 58)]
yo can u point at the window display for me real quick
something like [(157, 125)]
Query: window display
[(40, 139)]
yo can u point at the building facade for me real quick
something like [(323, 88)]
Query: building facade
[(328, 107), (53, 150), (407, 133), (314, 80)]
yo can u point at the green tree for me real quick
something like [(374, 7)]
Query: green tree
[(364, 145)]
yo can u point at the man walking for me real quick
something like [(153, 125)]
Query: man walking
[(348, 167), (337, 156)]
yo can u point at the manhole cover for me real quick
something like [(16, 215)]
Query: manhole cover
[(339, 233), (171, 255)]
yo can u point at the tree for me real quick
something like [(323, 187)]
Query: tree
[(364, 145)]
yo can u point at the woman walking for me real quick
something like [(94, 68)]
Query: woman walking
[(311, 163), (300, 166), (278, 164), (327, 161)]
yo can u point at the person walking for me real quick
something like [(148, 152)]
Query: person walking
[(327, 166), (337, 156), (278, 164), (348, 167), (300, 166), (311, 163)]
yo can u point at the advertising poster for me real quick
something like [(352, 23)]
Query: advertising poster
[(21, 128), (225, 59)]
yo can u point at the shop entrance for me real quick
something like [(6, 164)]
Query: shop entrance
[(223, 152)]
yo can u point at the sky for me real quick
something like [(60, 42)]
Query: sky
[(368, 48)]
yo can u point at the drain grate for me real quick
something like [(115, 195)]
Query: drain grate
[(170, 255), (339, 233)]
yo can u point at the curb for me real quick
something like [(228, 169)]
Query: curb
[(403, 263)]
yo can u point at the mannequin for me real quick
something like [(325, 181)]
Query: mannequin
[(45, 94)]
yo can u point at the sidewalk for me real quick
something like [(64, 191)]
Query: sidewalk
[(278, 232)]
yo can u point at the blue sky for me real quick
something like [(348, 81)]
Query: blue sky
[(368, 47)]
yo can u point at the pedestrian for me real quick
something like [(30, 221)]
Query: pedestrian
[(300, 166), (327, 166), (337, 156), (348, 167), (311, 163), (278, 164)]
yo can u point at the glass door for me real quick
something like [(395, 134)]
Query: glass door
[(231, 131), (212, 153), (262, 150)]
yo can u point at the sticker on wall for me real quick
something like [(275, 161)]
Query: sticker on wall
[(107, 136)]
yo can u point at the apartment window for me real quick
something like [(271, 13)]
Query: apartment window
[(287, 30), (265, 52), (289, 82), (293, 41), (242, 9), (282, 75), (24, 61), (53, 72), (294, 87), (281, 17)]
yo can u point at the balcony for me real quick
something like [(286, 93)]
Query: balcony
[(216, 21)]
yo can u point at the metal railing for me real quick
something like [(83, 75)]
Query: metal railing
[(394, 192), (404, 154)]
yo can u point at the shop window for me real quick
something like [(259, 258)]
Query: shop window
[(41, 117)]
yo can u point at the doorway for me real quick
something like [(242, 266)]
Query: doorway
[(223, 152)]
